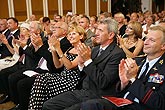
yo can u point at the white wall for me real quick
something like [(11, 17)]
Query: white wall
[(146, 5)]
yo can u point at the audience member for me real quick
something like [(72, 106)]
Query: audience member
[(93, 23), (12, 24), (143, 86), (85, 22), (26, 61), (45, 64), (119, 17), (149, 20), (30, 62), (46, 26), (100, 68), (48, 85), (134, 16), (131, 42)]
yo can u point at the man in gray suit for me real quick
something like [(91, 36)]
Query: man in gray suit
[(85, 22), (100, 68)]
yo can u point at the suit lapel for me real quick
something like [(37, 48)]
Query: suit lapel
[(105, 53)]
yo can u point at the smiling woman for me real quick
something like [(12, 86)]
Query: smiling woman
[(49, 85), (132, 44)]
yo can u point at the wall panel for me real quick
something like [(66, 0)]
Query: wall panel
[(20, 9), (53, 7), (103, 6), (80, 6), (37, 8), (92, 7), (67, 6), (4, 12)]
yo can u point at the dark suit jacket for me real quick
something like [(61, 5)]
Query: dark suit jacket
[(102, 73), (47, 55), (3, 49), (151, 91)]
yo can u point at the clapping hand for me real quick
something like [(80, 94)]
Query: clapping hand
[(84, 52), (127, 70), (54, 43), (3, 39), (36, 41)]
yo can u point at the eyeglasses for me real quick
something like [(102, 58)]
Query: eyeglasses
[(58, 27), (129, 28), (81, 22)]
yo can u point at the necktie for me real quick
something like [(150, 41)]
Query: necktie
[(40, 62), (143, 76), (100, 52), (10, 35), (21, 58)]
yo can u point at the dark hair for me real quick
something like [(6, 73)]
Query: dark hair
[(14, 19), (84, 16), (128, 18), (45, 19), (95, 17)]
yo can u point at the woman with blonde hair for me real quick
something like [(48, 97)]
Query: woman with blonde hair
[(49, 85), (132, 44)]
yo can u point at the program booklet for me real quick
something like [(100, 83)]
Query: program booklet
[(118, 101)]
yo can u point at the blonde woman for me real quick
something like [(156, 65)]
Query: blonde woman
[(132, 44), (48, 85)]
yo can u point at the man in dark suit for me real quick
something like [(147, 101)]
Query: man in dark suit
[(29, 62), (101, 70), (144, 85), (12, 24), (23, 86)]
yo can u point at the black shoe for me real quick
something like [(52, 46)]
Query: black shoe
[(4, 98), (15, 108)]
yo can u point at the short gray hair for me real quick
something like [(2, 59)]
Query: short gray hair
[(159, 28), (112, 25)]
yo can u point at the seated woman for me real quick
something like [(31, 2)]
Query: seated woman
[(132, 44), (14, 49), (49, 85)]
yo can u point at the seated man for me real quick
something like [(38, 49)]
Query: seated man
[(144, 87), (101, 69)]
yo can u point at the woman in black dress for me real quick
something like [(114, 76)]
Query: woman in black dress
[(49, 85)]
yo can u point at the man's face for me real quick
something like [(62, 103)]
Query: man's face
[(58, 30), (134, 17), (12, 25), (3, 24), (33, 28), (153, 44), (83, 23), (102, 34)]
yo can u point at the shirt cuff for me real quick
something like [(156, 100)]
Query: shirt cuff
[(25, 47), (132, 80), (80, 67), (86, 63)]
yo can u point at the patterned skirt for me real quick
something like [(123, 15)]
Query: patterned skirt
[(48, 85)]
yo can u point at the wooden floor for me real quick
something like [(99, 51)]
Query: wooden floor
[(7, 105)]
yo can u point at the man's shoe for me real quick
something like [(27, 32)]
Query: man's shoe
[(15, 108), (3, 98)]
